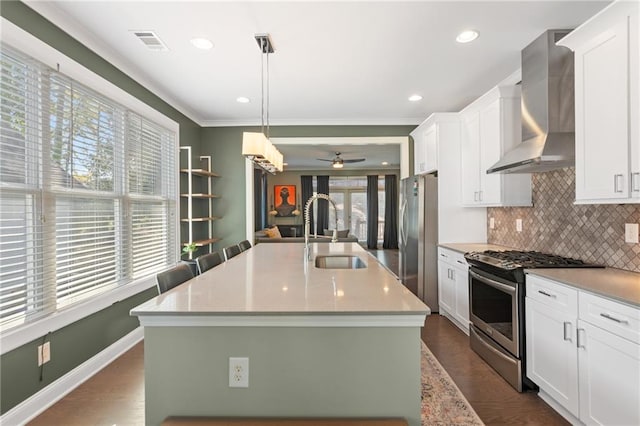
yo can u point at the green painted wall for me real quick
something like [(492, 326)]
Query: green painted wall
[(224, 144), (70, 347), (79, 341)]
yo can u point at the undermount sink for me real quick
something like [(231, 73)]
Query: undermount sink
[(340, 261)]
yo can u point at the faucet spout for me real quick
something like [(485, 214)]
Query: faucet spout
[(307, 222)]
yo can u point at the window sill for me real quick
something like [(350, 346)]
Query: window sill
[(23, 334)]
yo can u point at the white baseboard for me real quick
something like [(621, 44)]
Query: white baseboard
[(46, 397)]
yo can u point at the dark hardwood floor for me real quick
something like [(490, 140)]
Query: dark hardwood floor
[(115, 395), (495, 401)]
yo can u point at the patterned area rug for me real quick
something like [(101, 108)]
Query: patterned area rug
[(442, 402)]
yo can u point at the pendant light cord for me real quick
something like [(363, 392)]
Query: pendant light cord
[(268, 91), (262, 85)]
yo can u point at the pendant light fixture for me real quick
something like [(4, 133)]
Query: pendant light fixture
[(256, 146)]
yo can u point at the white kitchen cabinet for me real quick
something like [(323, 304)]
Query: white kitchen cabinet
[(446, 287), (583, 351), (425, 153), (491, 127), (453, 287), (609, 377), (607, 75), (551, 313)]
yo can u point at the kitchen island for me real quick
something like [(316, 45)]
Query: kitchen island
[(320, 342)]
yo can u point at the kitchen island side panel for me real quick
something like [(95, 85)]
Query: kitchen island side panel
[(293, 372)]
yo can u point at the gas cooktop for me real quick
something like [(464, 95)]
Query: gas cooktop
[(514, 259)]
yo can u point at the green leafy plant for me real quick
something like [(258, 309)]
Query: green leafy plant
[(188, 249)]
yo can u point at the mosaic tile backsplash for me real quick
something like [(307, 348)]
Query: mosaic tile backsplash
[(593, 233)]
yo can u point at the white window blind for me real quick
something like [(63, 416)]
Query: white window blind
[(87, 192)]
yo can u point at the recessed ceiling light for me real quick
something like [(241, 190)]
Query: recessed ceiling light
[(467, 36), (415, 98), (202, 43), (242, 100), (385, 163)]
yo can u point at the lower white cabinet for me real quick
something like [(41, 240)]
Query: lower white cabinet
[(583, 351), (609, 377), (453, 287)]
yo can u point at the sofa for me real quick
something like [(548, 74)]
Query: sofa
[(295, 234)]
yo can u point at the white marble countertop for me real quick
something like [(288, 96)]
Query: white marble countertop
[(275, 280), (616, 284)]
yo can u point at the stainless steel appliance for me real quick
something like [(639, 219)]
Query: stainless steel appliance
[(548, 125), (419, 237), (496, 307)]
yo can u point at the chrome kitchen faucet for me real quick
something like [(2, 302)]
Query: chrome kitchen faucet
[(307, 222)]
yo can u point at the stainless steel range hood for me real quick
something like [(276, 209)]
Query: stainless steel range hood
[(548, 125)]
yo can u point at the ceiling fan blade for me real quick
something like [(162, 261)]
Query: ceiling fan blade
[(354, 160), (323, 159)]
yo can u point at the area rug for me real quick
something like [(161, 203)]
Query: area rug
[(442, 402)]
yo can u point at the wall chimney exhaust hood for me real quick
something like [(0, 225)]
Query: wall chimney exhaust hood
[(548, 124)]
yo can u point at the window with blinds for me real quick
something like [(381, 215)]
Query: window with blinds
[(87, 192)]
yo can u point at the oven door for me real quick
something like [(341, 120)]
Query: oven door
[(494, 309)]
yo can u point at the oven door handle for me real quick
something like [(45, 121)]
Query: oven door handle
[(493, 283)]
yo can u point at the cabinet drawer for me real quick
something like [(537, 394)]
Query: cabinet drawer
[(617, 318), (553, 294), (453, 257)]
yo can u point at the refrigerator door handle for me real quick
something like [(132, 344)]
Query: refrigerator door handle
[(403, 217)]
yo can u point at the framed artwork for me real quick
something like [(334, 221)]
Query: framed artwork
[(285, 199)]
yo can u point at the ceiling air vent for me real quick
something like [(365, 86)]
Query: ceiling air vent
[(151, 40)]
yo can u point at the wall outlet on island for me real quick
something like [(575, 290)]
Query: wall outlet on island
[(238, 372), (631, 233)]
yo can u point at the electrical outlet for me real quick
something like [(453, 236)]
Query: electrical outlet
[(44, 353), (238, 372), (519, 225), (631, 233), (492, 223)]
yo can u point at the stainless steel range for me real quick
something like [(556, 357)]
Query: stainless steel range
[(496, 307)]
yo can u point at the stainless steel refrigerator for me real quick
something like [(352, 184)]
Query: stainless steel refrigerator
[(419, 237)]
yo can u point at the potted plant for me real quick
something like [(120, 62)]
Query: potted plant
[(188, 250)]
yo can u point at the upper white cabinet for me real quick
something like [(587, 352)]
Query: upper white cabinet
[(425, 143), (491, 127), (607, 75)]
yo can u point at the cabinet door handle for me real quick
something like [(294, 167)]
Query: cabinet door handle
[(567, 331), (461, 262), (544, 293), (453, 274), (609, 317), (479, 195), (579, 342), (617, 182), (635, 182), (475, 196)]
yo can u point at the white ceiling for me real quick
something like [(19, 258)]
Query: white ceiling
[(342, 62)]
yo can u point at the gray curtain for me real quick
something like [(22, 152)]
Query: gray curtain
[(390, 212), (306, 191), (372, 211), (259, 199), (323, 205)]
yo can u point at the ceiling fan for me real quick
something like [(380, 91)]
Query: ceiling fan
[(338, 162)]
